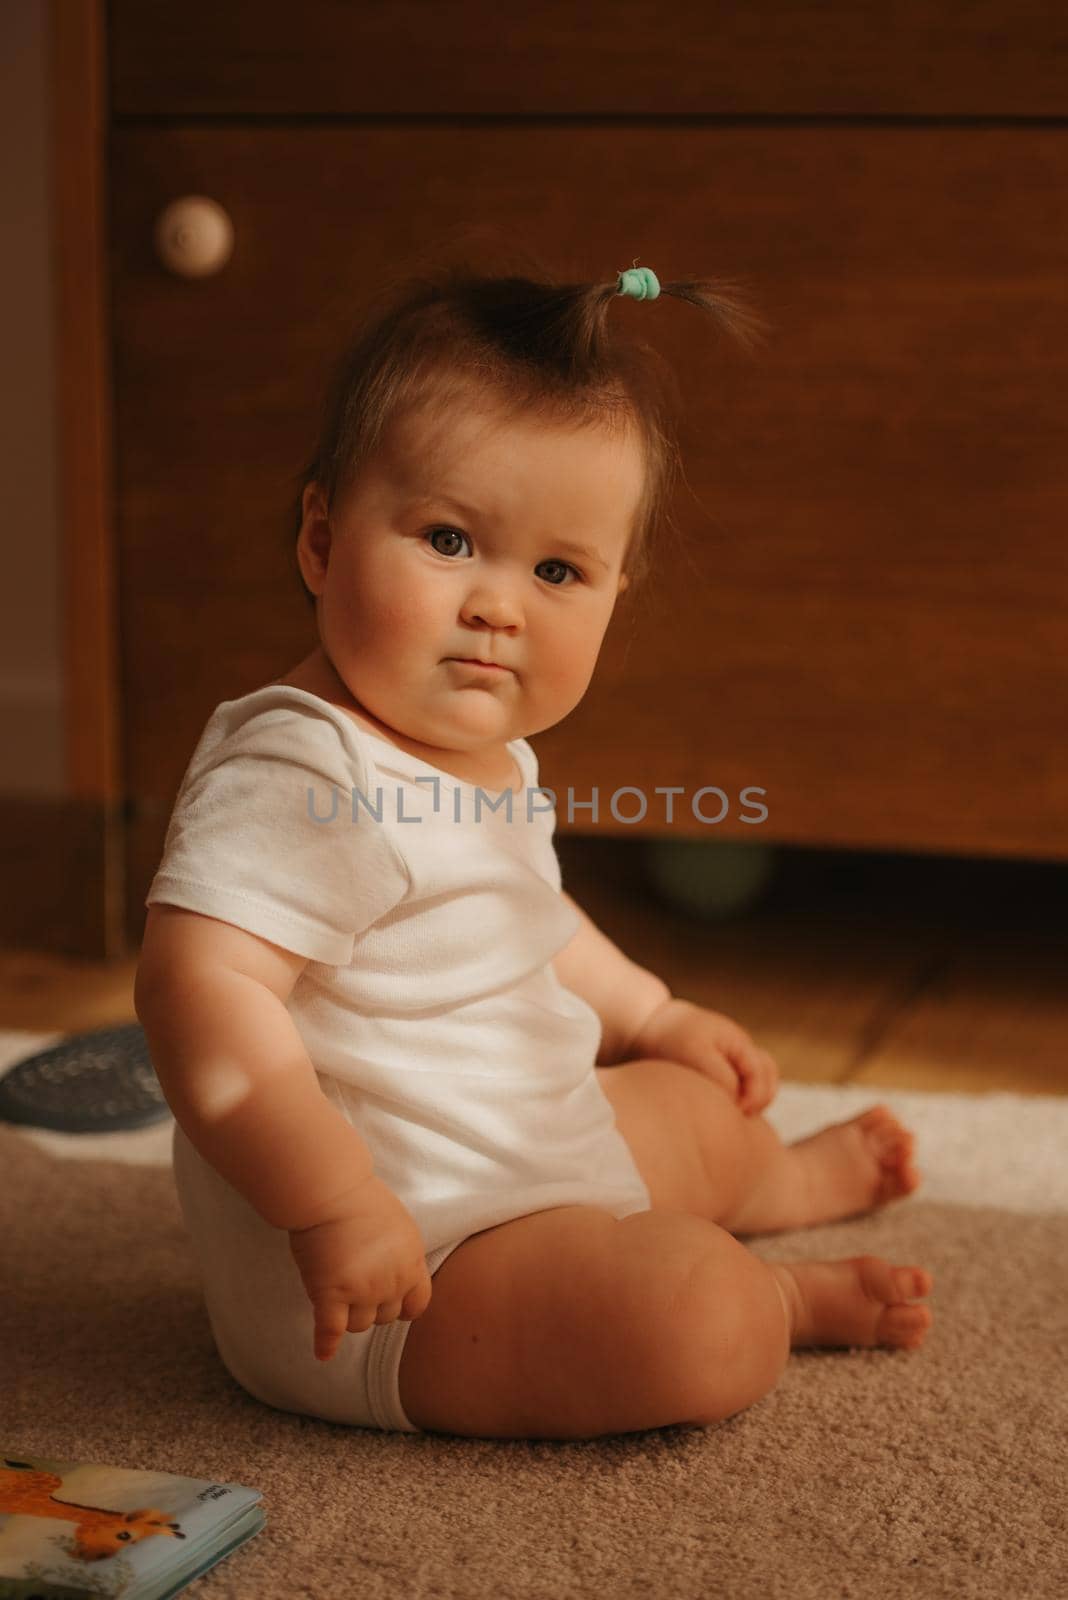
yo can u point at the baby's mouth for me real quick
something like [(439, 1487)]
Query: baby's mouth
[(485, 666)]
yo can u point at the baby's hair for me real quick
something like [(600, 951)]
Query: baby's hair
[(553, 351)]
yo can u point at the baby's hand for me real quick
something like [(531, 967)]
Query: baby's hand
[(734, 1059), (366, 1266), (710, 1043)]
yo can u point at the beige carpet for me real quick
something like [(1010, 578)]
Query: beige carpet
[(864, 1473)]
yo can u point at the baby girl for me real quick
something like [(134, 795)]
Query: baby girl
[(448, 1159)]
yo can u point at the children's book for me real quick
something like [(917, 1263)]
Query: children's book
[(72, 1529)]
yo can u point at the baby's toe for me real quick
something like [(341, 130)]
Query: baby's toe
[(894, 1148), (911, 1283), (904, 1327)]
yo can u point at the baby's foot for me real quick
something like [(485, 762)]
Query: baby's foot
[(855, 1166), (860, 1301)]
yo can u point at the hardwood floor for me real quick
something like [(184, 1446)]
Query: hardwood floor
[(52, 994), (903, 971), (884, 970)]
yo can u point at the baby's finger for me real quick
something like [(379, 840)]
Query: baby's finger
[(389, 1311), (417, 1300), (762, 1079), (331, 1322), (718, 1069), (752, 1081), (361, 1318)]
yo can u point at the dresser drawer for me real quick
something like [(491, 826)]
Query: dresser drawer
[(864, 617), (627, 58)]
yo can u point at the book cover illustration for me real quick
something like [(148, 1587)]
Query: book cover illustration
[(72, 1529)]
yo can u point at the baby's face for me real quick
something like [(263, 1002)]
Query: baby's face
[(461, 541)]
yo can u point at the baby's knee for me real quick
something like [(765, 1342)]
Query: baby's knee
[(729, 1336)]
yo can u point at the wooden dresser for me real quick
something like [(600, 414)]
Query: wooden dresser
[(865, 617)]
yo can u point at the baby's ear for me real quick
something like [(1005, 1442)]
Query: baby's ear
[(624, 583), (313, 540), (313, 502)]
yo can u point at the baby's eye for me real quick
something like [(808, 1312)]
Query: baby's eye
[(557, 569), (561, 567), (445, 533)]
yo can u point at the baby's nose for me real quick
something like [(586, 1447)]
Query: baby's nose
[(495, 608)]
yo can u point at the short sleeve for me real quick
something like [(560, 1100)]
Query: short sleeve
[(262, 833), (528, 763)]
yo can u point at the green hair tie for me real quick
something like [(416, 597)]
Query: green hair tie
[(641, 283)]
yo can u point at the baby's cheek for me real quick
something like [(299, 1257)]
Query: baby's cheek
[(398, 634), (566, 670)]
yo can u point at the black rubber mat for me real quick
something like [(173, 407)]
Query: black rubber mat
[(99, 1082)]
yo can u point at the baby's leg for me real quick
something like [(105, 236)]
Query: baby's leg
[(698, 1152), (570, 1324)]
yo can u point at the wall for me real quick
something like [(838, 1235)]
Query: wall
[(31, 691)]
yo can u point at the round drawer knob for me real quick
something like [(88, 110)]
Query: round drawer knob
[(194, 237)]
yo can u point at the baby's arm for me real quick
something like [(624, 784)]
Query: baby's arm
[(211, 999), (234, 1070), (641, 1018), (623, 994)]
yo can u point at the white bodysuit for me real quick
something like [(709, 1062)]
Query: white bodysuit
[(429, 1006)]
